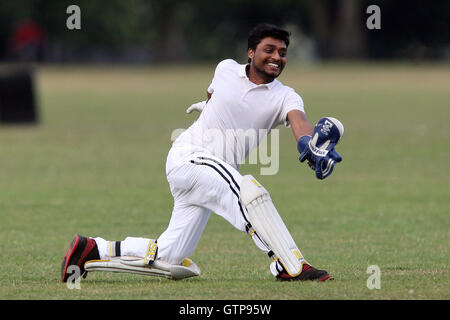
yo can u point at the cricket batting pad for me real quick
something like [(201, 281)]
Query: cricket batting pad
[(137, 265), (269, 226)]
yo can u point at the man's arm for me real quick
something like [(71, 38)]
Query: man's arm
[(299, 124)]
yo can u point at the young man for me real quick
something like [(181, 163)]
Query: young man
[(202, 171)]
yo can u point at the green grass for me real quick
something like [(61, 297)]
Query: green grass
[(96, 165)]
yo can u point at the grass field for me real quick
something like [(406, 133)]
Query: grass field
[(95, 165)]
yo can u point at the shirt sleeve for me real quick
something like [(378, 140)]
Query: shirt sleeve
[(220, 67), (292, 102)]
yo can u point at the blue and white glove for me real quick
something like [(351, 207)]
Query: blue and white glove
[(319, 149)]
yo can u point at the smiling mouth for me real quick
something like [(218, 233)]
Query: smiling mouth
[(274, 65)]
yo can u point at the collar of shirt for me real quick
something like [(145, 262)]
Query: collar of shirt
[(243, 74)]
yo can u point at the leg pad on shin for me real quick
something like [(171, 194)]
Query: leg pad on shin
[(270, 227)]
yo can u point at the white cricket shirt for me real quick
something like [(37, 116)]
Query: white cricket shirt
[(237, 117)]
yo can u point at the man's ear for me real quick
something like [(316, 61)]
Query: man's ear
[(250, 53)]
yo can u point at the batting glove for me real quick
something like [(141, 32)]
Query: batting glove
[(196, 107), (319, 149)]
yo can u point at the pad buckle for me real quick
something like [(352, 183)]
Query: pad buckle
[(250, 230), (152, 251)]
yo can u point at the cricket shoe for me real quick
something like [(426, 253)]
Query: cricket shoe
[(308, 273), (81, 250)]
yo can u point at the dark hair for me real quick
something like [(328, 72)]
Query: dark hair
[(265, 30)]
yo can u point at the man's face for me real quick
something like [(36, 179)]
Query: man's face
[(269, 57)]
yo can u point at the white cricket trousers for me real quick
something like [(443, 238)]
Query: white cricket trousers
[(200, 184)]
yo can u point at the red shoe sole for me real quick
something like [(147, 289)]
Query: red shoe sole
[(324, 278), (73, 245)]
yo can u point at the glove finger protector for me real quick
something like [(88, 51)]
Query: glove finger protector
[(327, 133), (324, 166)]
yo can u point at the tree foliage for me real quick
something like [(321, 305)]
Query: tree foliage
[(205, 29)]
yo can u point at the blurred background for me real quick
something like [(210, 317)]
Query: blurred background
[(180, 32), (152, 31)]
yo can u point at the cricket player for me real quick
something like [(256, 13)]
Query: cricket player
[(244, 102)]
